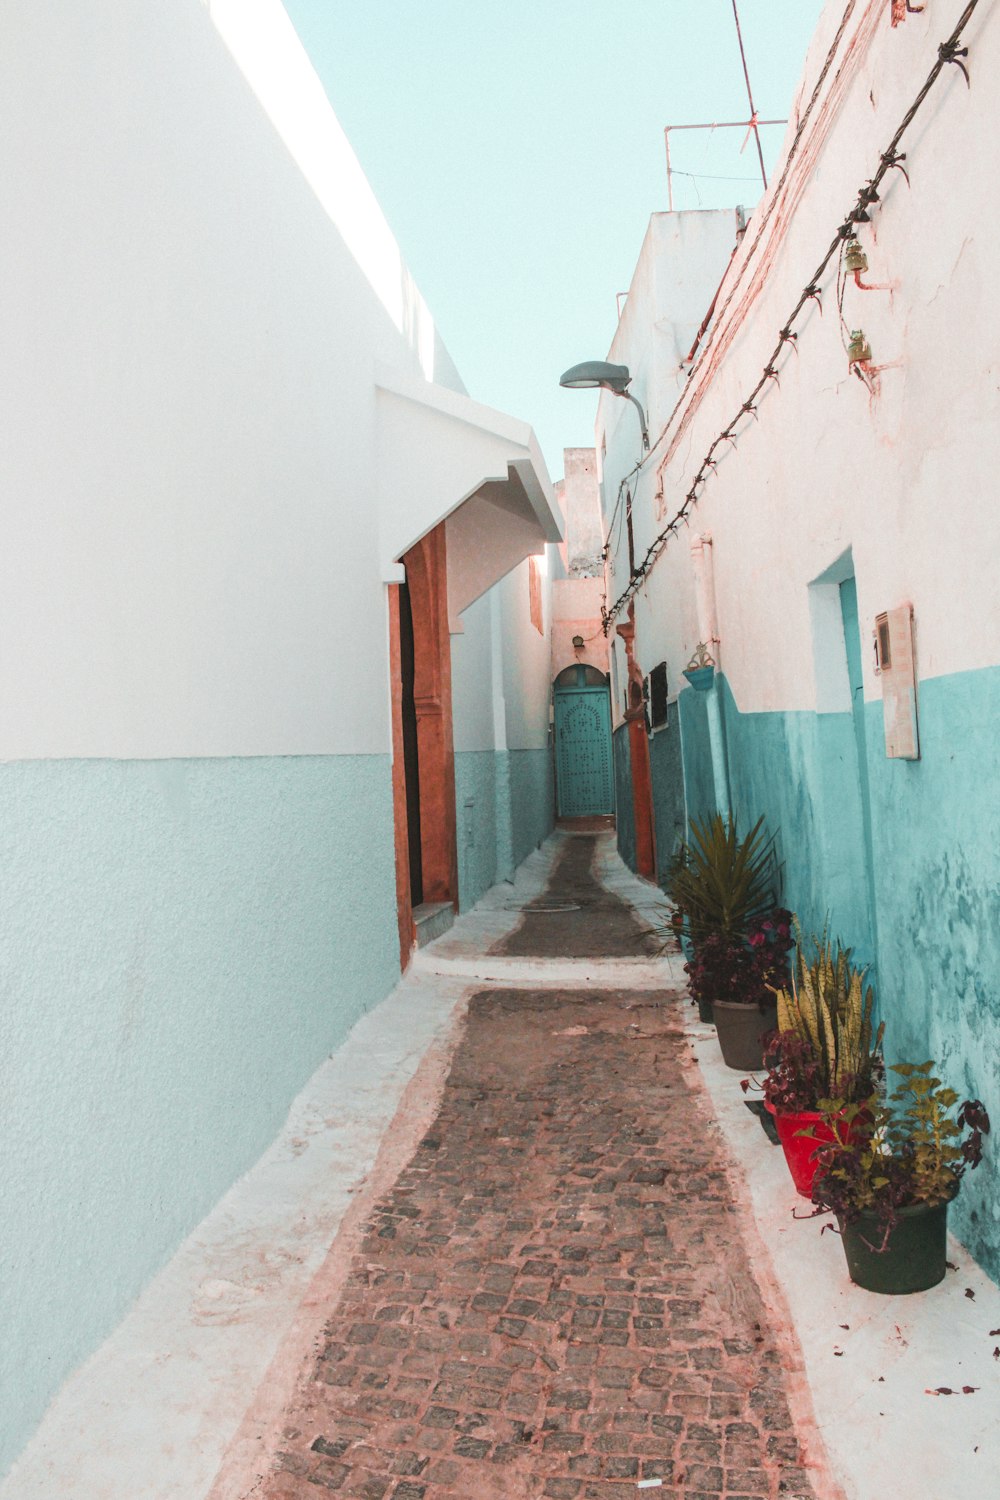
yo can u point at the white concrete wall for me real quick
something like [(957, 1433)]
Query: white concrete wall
[(901, 478), (576, 611), (525, 659), (500, 666), (198, 295), (472, 679), (188, 387)]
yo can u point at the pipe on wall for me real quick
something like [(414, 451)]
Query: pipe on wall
[(703, 562)]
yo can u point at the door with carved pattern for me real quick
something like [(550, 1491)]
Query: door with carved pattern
[(584, 779)]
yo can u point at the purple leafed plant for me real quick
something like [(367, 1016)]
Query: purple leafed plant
[(743, 970)]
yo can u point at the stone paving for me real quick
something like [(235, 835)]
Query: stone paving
[(600, 926), (554, 1300)]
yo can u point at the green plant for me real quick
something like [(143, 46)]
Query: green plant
[(911, 1150), (721, 884), (829, 1010)]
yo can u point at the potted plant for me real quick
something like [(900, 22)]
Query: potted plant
[(824, 1048), (890, 1182), (720, 885), (738, 976)]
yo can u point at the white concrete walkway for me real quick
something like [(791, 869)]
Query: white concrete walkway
[(162, 1406)]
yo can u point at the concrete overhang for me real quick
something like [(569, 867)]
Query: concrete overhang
[(444, 457)]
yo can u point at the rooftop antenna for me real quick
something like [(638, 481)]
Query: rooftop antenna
[(753, 121), (751, 126)]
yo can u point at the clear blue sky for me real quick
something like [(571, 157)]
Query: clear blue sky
[(516, 148)]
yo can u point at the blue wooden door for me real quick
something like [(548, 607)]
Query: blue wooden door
[(584, 783)]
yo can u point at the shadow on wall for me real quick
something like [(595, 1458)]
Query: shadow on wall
[(624, 811)]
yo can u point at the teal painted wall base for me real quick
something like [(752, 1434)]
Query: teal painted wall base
[(182, 945), (476, 776), (935, 931), (532, 800), (666, 765), (624, 810), (505, 809), (696, 753)]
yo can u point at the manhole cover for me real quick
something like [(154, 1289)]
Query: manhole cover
[(548, 908)]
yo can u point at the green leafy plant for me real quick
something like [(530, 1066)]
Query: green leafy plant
[(828, 1010), (721, 884), (911, 1149)]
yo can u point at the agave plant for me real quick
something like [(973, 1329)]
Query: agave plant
[(722, 884), (829, 1010)]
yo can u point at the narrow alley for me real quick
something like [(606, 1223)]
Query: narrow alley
[(554, 1298), (429, 770)]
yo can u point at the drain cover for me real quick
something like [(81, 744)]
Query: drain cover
[(552, 907)]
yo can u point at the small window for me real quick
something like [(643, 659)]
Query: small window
[(580, 676), (658, 695)]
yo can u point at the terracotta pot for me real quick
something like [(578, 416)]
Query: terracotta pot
[(740, 1029), (800, 1149), (915, 1251)]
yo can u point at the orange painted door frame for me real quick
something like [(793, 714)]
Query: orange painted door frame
[(426, 566), (638, 744)]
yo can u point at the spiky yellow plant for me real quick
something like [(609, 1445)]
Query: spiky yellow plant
[(830, 1010)]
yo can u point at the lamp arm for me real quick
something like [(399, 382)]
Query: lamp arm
[(642, 415)]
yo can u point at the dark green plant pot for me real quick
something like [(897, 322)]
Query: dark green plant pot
[(915, 1252), (741, 1029), (705, 1011)]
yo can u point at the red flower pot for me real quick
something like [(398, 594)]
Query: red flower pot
[(800, 1150)]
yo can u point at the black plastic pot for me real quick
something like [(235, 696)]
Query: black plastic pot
[(914, 1255), (740, 1029)]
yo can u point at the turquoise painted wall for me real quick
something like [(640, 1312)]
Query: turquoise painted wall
[(532, 800), (476, 803), (936, 844), (696, 753), (511, 813), (800, 771), (667, 774), (936, 868), (182, 945)]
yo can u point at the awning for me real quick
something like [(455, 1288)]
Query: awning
[(444, 457)]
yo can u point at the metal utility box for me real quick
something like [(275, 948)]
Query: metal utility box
[(894, 663)]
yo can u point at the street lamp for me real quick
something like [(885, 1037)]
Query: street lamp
[(597, 373)]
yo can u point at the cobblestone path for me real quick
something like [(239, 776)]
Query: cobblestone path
[(600, 927), (554, 1300)]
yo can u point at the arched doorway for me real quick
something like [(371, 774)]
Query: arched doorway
[(584, 774)]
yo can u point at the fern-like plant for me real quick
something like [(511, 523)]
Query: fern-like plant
[(829, 1009)]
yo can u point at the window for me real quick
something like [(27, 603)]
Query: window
[(658, 695)]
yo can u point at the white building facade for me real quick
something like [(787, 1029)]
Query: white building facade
[(817, 509), (233, 445)]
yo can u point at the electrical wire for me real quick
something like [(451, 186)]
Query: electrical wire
[(708, 176), (949, 52)]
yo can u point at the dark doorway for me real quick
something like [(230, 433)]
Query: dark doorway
[(411, 756)]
